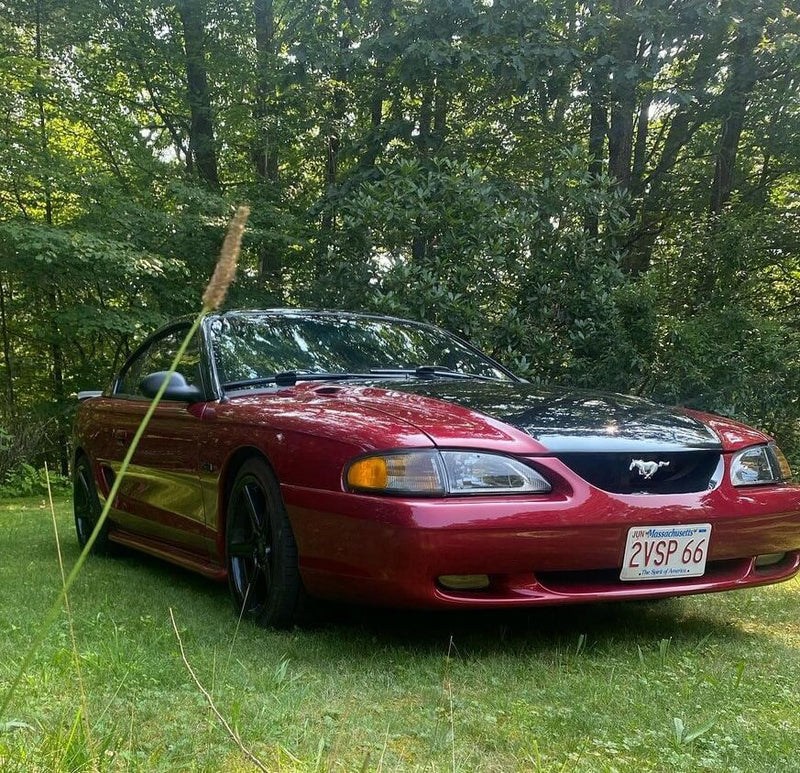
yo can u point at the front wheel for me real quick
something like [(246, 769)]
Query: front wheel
[(86, 506), (263, 573)]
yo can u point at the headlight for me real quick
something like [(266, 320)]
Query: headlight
[(437, 473), (416, 472), (477, 473), (758, 466)]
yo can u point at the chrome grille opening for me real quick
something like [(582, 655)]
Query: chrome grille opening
[(673, 472)]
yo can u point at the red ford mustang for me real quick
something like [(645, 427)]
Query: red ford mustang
[(353, 457)]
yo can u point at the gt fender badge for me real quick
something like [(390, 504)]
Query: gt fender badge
[(646, 469)]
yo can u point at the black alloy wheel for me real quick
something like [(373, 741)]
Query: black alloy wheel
[(86, 506), (263, 574)]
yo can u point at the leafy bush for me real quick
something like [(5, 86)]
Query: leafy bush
[(26, 480), (29, 441), (22, 456)]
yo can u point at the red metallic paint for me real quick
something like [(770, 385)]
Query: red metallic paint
[(390, 550), (733, 434)]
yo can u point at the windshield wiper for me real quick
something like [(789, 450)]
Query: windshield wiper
[(291, 377), (431, 372)]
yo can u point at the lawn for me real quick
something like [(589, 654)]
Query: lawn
[(708, 683)]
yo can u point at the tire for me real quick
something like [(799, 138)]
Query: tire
[(261, 553), (87, 508)]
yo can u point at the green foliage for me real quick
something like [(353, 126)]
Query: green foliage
[(23, 452), (508, 266), (536, 176), (25, 441), (727, 333), (23, 480)]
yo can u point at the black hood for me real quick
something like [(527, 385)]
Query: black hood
[(575, 421)]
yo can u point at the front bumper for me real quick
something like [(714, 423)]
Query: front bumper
[(560, 548)]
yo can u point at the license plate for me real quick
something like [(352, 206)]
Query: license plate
[(666, 552)]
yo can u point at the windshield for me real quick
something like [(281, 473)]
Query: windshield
[(257, 346)]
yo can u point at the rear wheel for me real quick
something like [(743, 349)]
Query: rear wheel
[(86, 506), (263, 572)]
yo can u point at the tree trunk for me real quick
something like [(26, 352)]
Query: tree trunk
[(201, 132), (440, 107), (376, 104), (643, 122), (265, 156), (734, 105), (425, 118), (60, 397), (7, 350), (56, 352), (623, 95), (338, 109), (681, 129), (264, 152), (598, 126), (43, 143)]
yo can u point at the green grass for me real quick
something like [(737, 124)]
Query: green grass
[(606, 688)]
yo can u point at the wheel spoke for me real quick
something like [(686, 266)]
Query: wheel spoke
[(84, 479), (244, 548), (85, 497), (252, 508)]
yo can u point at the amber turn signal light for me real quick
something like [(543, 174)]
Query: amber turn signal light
[(369, 473)]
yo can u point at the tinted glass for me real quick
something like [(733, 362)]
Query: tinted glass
[(258, 346), (159, 356)]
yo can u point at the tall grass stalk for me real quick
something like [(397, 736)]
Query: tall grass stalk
[(449, 687), (213, 297), (210, 701), (68, 609)]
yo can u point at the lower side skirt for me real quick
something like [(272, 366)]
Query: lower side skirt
[(175, 555)]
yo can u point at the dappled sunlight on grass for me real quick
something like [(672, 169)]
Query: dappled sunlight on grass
[(582, 689), (784, 627)]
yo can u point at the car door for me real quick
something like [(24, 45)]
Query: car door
[(160, 495)]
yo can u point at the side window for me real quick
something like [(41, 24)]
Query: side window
[(128, 383), (159, 356)]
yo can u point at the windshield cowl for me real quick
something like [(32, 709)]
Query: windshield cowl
[(291, 377)]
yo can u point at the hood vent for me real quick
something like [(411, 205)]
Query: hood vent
[(328, 390), (676, 472)]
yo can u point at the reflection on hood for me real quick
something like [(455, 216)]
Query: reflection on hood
[(574, 420)]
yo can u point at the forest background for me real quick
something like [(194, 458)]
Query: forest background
[(602, 194)]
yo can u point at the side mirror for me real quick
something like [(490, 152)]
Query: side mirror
[(177, 388)]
